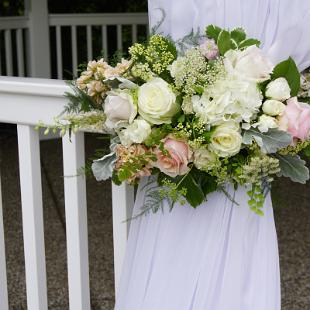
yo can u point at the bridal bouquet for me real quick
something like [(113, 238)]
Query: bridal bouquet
[(218, 112)]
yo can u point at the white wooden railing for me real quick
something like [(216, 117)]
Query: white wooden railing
[(26, 41), (24, 102)]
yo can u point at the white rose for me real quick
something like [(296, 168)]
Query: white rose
[(228, 99), (119, 107), (136, 132), (265, 122), (226, 140), (250, 64), (176, 67), (203, 157), (278, 89), (273, 107), (157, 102)]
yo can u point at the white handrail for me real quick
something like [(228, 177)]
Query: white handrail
[(25, 102), (98, 19), (15, 22)]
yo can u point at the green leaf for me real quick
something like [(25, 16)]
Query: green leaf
[(238, 35), (224, 42), (213, 32), (249, 42), (269, 142), (293, 167), (306, 151), (194, 195), (289, 71)]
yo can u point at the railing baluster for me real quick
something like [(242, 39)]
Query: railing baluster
[(76, 221), (89, 42), (122, 204), (134, 33), (8, 52), (104, 36), (119, 38), (74, 50), (4, 305), (20, 52), (59, 52), (33, 231)]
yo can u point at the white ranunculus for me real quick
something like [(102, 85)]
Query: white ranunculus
[(136, 132), (250, 63), (226, 139), (157, 102), (273, 107), (119, 107), (228, 99), (278, 89), (203, 157), (176, 67), (266, 122)]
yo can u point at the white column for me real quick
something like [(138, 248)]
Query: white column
[(39, 45), (31, 197), (122, 204), (4, 305), (76, 222)]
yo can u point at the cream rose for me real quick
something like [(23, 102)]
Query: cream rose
[(278, 89), (136, 132), (157, 102), (119, 107), (273, 107), (250, 63), (226, 140), (203, 157)]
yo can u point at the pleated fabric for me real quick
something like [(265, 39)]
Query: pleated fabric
[(219, 256)]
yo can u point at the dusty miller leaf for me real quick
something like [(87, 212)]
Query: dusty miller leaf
[(293, 167), (103, 167), (269, 142)]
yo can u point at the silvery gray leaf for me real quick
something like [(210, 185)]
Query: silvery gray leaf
[(120, 82), (293, 167), (269, 142), (103, 167)]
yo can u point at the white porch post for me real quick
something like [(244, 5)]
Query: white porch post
[(39, 42), (4, 305), (122, 202)]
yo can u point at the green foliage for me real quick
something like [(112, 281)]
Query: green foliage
[(269, 142), (133, 165), (293, 167), (79, 101), (224, 42), (289, 71), (238, 35), (257, 199), (156, 135), (307, 151), (213, 32), (236, 39)]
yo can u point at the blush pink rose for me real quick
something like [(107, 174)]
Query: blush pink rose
[(296, 119), (175, 162)]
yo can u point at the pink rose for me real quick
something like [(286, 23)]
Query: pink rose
[(175, 162), (209, 49), (296, 119)]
